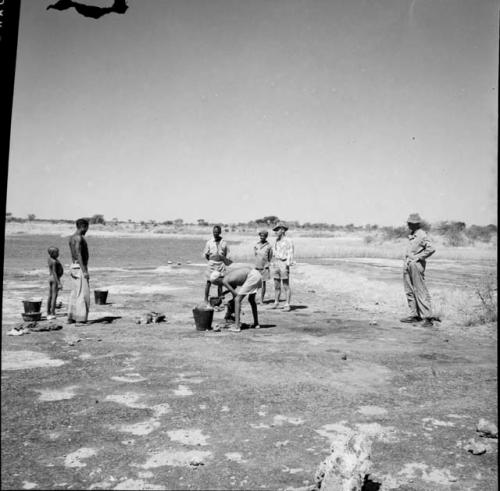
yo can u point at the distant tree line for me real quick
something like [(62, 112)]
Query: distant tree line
[(457, 233)]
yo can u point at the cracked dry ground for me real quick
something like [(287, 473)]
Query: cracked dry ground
[(163, 406)]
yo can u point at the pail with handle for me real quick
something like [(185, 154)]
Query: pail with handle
[(100, 296), (203, 318)]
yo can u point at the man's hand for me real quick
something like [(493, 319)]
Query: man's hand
[(86, 276)]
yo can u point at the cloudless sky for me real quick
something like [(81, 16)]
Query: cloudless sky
[(358, 111)]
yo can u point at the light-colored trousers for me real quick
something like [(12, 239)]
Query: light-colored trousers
[(79, 298), (417, 295)]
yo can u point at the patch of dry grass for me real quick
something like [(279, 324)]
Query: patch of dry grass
[(352, 246)]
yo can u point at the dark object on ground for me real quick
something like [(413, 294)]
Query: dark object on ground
[(487, 429), (344, 356), (203, 318), (50, 326), (410, 319), (32, 306), (475, 448), (107, 319), (92, 11), (151, 318), (215, 301), (100, 297), (32, 317)]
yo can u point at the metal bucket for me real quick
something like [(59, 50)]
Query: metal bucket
[(100, 296), (32, 306), (203, 318)]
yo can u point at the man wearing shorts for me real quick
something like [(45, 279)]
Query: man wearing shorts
[(280, 266), (215, 252), (249, 280), (263, 254)]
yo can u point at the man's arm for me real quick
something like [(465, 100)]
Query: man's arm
[(52, 270), (270, 253), (79, 258), (229, 287), (206, 251), (427, 249), (289, 259)]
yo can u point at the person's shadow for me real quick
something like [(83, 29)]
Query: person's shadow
[(262, 326), (107, 319), (298, 307)]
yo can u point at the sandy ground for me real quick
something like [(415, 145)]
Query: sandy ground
[(163, 406)]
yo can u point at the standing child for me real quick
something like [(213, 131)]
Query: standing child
[(263, 255), (55, 273)]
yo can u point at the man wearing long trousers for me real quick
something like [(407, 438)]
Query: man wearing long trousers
[(418, 250)]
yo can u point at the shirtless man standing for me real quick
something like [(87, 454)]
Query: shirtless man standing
[(79, 299)]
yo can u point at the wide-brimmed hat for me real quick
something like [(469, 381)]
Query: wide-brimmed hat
[(280, 225), (215, 275), (414, 218)]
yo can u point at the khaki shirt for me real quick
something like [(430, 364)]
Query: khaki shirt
[(264, 250), (419, 247), (283, 250)]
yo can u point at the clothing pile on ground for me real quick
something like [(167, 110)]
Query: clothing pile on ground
[(151, 318), (29, 327)]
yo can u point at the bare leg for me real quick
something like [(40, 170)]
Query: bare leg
[(207, 291), (277, 292), (237, 312), (54, 298), (253, 304), (49, 299), (288, 291), (262, 292)]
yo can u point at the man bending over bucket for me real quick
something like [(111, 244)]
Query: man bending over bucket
[(79, 299), (249, 280)]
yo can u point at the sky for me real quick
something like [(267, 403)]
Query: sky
[(359, 111)]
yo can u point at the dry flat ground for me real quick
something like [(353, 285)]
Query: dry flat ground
[(163, 406)]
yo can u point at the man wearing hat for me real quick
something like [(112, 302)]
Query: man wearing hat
[(216, 253), (280, 266), (263, 254), (418, 250)]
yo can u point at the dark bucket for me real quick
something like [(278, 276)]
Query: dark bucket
[(215, 301), (100, 296), (203, 318), (32, 306)]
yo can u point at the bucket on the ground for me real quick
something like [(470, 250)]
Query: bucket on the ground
[(32, 306), (203, 318), (100, 296)]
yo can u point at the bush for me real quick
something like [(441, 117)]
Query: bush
[(487, 292), (97, 220), (453, 233), (391, 233), (481, 234)]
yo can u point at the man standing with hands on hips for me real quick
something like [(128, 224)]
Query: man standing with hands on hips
[(280, 267), (418, 250)]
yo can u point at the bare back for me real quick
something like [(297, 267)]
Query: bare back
[(237, 277), (79, 249)]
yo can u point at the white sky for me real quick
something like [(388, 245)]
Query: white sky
[(358, 111)]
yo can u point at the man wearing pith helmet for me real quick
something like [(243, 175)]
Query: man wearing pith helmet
[(418, 250)]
